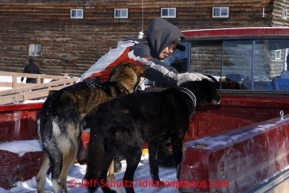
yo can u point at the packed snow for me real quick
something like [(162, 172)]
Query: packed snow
[(21, 147), (142, 179)]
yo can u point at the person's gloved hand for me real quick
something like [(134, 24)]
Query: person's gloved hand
[(184, 77), (141, 84)]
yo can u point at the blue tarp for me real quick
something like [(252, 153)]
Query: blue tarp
[(278, 83)]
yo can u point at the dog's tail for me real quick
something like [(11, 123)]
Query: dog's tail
[(59, 134), (44, 122), (49, 144), (52, 155)]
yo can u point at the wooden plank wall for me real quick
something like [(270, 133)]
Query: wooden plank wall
[(73, 45), (277, 20)]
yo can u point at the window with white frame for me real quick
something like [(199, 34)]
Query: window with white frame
[(35, 50), (76, 13), (278, 54), (120, 13), (284, 13), (168, 12), (220, 12)]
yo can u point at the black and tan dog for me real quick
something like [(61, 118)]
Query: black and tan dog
[(124, 122), (60, 119)]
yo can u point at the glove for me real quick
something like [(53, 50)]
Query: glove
[(184, 77), (142, 83)]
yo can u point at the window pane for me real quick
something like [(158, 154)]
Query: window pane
[(278, 54), (73, 13), (32, 49), (267, 68), (39, 50), (123, 13), (206, 57), (284, 13), (237, 57), (224, 11), (117, 13), (243, 64), (236, 65), (165, 12), (262, 58), (216, 12), (79, 13), (171, 12)]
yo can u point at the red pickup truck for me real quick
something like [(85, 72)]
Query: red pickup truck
[(251, 65), (241, 145)]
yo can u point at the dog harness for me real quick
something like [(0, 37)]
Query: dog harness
[(190, 94)]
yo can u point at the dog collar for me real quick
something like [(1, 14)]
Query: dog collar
[(125, 91), (190, 94)]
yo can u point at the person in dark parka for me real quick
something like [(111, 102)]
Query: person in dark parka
[(31, 68)]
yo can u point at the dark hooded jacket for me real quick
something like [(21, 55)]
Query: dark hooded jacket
[(160, 34), (31, 68)]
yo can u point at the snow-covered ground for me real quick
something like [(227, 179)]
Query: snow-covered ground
[(142, 180)]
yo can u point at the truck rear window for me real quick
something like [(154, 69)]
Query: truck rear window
[(254, 65)]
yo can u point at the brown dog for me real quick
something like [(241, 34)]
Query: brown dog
[(59, 121)]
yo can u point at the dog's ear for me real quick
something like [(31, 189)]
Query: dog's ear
[(141, 69)]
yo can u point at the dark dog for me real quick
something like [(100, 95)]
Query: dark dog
[(60, 119), (121, 124)]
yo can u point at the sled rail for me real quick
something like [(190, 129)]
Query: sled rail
[(20, 92)]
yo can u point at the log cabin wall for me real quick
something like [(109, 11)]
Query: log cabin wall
[(73, 45), (278, 7)]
